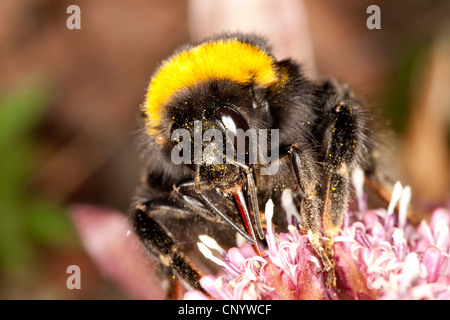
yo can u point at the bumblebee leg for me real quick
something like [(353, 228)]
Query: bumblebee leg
[(311, 204), (334, 206), (340, 157), (307, 178), (163, 247), (185, 186)]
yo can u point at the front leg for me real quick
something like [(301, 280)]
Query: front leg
[(164, 248)]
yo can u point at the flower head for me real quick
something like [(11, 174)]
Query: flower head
[(400, 261), (378, 255)]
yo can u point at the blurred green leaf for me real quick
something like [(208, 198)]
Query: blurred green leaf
[(49, 224), (26, 222), (19, 112), (399, 95)]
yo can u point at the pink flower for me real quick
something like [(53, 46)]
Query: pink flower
[(378, 255), (290, 270), (399, 260)]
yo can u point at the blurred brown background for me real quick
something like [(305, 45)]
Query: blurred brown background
[(69, 103)]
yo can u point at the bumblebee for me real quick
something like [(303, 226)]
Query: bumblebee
[(232, 84)]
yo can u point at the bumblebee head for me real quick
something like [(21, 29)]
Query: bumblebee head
[(210, 131), (210, 95)]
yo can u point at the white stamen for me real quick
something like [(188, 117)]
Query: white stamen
[(240, 240), (315, 261), (269, 213), (271, 242), (208, 254), (358, 183), (396, 194), (287, 202), (403, 206), (211, 243)]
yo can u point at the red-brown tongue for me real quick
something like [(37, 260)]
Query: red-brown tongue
[(243, 211)]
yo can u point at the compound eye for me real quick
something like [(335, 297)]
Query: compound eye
[(233, 122)]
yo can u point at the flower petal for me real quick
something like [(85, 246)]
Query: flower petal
[(432, 258)]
